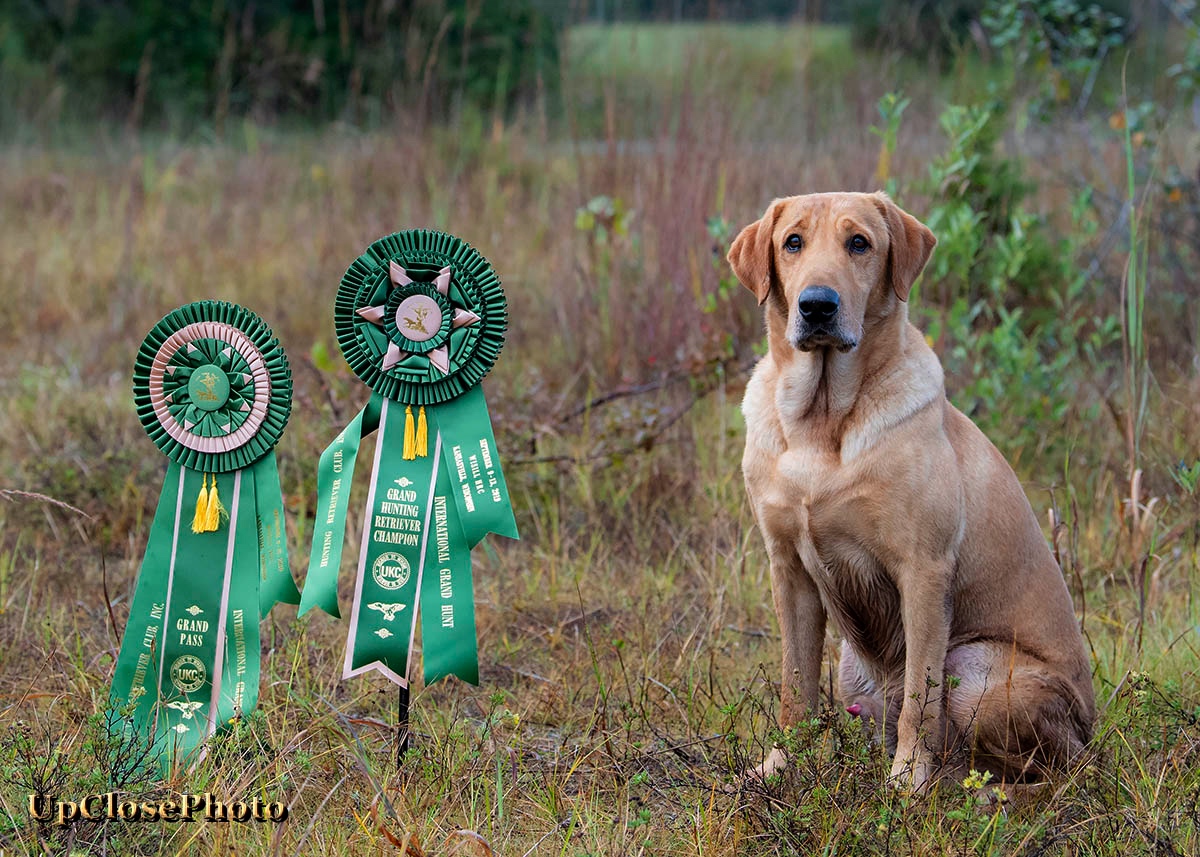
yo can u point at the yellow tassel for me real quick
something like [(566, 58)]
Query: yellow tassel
[(410, 441), (198, 520), (422, 449), (212, 521)]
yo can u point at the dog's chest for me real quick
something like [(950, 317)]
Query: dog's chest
[(813, 504), (824, 510)]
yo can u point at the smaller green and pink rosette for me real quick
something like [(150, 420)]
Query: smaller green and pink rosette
[(213, 389)]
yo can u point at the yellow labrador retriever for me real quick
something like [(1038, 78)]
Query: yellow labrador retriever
[(886, 510)]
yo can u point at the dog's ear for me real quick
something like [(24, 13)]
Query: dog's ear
[(909, 244), (751, 255)]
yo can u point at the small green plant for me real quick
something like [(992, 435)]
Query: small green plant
[(974, 175), (1187, 477), (8, 563), (601, 218), (1133, 300), (720, 232), (891, 109)]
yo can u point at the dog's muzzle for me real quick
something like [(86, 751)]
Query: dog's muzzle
[(818, 325)]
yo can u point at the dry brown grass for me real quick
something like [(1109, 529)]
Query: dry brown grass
[(628, 646)]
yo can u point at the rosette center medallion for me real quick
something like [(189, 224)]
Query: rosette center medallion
[(208, 387)]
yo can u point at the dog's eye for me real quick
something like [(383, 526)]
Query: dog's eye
[(858, 244), (793, 243)]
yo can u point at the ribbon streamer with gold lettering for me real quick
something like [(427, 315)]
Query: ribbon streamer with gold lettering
[(213, 389), (420, 317)]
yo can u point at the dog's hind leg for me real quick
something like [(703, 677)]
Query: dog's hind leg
[(1013, 714)]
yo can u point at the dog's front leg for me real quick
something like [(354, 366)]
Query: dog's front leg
[(802, 627), (924, 596)]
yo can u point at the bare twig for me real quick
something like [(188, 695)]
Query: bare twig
[(624, 392), (11, 494), (646, 442), (112, 617), (642, 445)]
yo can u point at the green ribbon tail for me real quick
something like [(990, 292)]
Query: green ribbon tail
[(189, 660), (424, 516), (383, 620), (448, 637), (473, 465), (276, 584), (335, 473), (134, 691), (237, 693)]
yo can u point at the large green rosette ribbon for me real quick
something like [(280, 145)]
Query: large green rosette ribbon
[(420, 317), (213, 389)]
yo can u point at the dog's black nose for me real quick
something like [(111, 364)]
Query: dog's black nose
[(818, 303)]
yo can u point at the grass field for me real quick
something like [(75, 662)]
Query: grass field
[(684, 52), (628, 646)]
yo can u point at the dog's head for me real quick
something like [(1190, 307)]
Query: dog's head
[(826, 263)]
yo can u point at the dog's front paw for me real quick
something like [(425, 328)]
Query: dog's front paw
[(774, 763), (912, 772)]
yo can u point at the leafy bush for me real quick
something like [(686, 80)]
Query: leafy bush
[(1008, 303), (1066, 41), (917, 27), (1071, 32)]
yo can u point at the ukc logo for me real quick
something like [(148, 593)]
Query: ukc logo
[(391, 570), (187, 673)]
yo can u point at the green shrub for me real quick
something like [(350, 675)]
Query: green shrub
[(1070, 32), (918, 27), (1064, 42), (1009, 303)]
